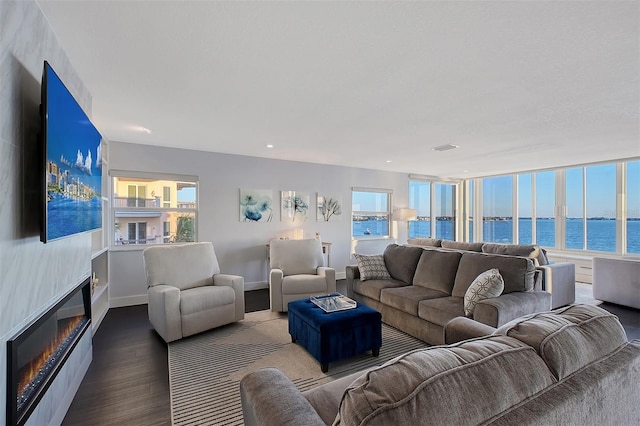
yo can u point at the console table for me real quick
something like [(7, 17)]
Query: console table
[(326, 250)]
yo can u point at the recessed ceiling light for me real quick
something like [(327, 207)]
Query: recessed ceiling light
[(445, 147), (269, 146), (388, 161), (465, 171)]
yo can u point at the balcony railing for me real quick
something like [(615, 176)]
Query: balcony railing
[(136, 202)]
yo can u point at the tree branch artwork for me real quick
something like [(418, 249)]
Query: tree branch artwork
[(255, 205), (329, 208)]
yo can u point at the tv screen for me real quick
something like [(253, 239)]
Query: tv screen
[(73, 163)]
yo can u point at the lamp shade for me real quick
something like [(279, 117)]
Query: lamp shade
[(405, 214)]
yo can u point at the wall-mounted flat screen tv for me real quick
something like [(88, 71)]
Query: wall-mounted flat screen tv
[(73, 163)]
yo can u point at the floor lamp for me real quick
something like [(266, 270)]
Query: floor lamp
[(405, 214)]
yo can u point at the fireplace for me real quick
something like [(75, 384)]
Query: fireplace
[(37, 353)]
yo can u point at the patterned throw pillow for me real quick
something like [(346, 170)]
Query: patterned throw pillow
[(486, 285), (372, 267)]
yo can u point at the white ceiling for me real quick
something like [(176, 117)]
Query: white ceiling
[(517, 85)]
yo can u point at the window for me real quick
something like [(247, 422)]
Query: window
[(593, 208), (545, 208), (633, 207), (574, 221), (525, 209), (136, 196), (166, 196), (601, 207), (445, 198), (497, 209), (420, 199), (138, 219), (370, 212), (137, 233), (166, 231)]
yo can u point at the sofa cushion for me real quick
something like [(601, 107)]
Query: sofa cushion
[(371, 288), (517, 272), (531, 251), (487, 285), (437, 270), (446, 385), (402, 261), (372, 267), (430, 242), (406, 299), (459, 245), (568, 338), (442, 310)]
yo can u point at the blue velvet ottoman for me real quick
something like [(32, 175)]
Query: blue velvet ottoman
[(334, 336)]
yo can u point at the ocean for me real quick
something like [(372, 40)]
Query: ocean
[(601, 234)]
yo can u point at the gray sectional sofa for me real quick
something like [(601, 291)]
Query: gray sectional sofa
[(428, 286), (573, 366), (559, 279)]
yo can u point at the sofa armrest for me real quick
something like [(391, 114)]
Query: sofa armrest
[(330, 276), (236, 282), (269, 398), (164, 311), (352, 274), (275, 289), (498, 311), (559, 279), (463, 328)]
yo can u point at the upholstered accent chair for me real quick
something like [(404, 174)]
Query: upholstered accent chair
[(187, 293), (297, 272)]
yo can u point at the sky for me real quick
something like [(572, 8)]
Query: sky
[(72, 141), (600, 192)]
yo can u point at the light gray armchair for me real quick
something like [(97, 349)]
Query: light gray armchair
[(187, 293), (297, 272)]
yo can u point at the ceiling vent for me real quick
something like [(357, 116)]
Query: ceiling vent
[(446, 147)]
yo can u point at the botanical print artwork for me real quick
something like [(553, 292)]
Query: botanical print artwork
[(256, 205), (329, 208), (294, 206)]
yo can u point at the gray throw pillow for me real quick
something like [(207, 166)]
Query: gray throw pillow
[(487, 285), (372, 267)]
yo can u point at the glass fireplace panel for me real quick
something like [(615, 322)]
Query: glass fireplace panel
[(38, 352)]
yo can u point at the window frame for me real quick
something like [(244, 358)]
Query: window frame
[(354, 213), (151, 209), (561, 207)]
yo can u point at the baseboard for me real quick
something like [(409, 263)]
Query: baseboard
[(119, 302), (255, 285), (262, 284), (142, 299)]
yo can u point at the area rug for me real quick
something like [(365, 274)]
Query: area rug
[(205, 370)]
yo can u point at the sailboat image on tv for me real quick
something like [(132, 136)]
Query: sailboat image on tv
[(73, 163)]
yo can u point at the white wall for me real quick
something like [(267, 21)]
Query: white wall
[(240, 246), (33, 276)]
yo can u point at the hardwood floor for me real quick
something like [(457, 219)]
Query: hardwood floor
[(128, 380)]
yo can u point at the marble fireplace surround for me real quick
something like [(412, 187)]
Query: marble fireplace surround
[(35, 276)]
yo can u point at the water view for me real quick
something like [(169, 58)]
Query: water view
[(68, 216), (601, 233)]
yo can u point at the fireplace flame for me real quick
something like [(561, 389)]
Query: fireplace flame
[(38, 362)]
